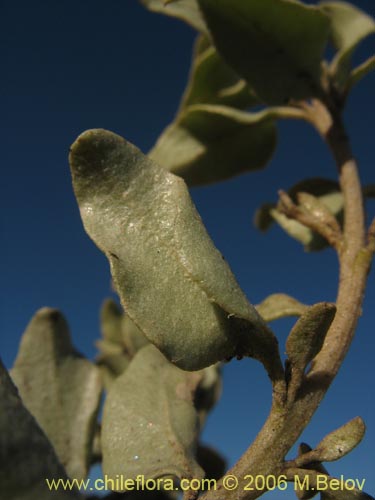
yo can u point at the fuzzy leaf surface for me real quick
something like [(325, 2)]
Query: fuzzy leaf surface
[(60, 388), (276, 45), (341, 441), (27, 458), (150, 425), (307, 336), (173, 282)]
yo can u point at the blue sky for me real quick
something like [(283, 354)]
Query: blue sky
[(78, 64)]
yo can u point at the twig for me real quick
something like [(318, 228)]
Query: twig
[(329, 231)]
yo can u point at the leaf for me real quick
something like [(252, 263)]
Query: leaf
[(150, 426), (276, 45), (327, 202), (212, 81), (280, 305), (173, 282), (27, 458), (186, 10), (349, 26), (307, 336), (307, 493), (209, 143), (340, 442), (113, 358), (60, 388), (360, 72)]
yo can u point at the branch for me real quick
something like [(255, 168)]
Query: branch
[(284, 425), (326, 227)]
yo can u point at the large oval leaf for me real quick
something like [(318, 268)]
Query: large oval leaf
[(150, 426), (276, 45), (173, 282), (60, 388), (27, 458)]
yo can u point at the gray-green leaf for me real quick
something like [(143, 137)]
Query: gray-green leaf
[(209, 143), (280, 305), (307, 336), (212, 81), (60, 388), (340, 442), (27, 458), (186, 10), (150, 426), (173, 282), (349, 26), (276, 45)]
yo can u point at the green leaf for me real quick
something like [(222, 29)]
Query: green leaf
[(186, 10), (326, 201), (306, 493), (340, 442), (349, 26), (27, 458), (209, 143), (150, 426), (276, 45), (360, 72), (60, 388), (212, 81), (280, 305), (173, 282), (307, 336)]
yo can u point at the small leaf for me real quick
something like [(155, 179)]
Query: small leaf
[(209, 143), (27, 458), (212, 81), (150, 426), (186, 10), (360, 72), (307, 493), (307, 336), (280, 305), (276, 45), (349, 26), (327, 202), (59, 387), (340, 442), (172, 281)]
